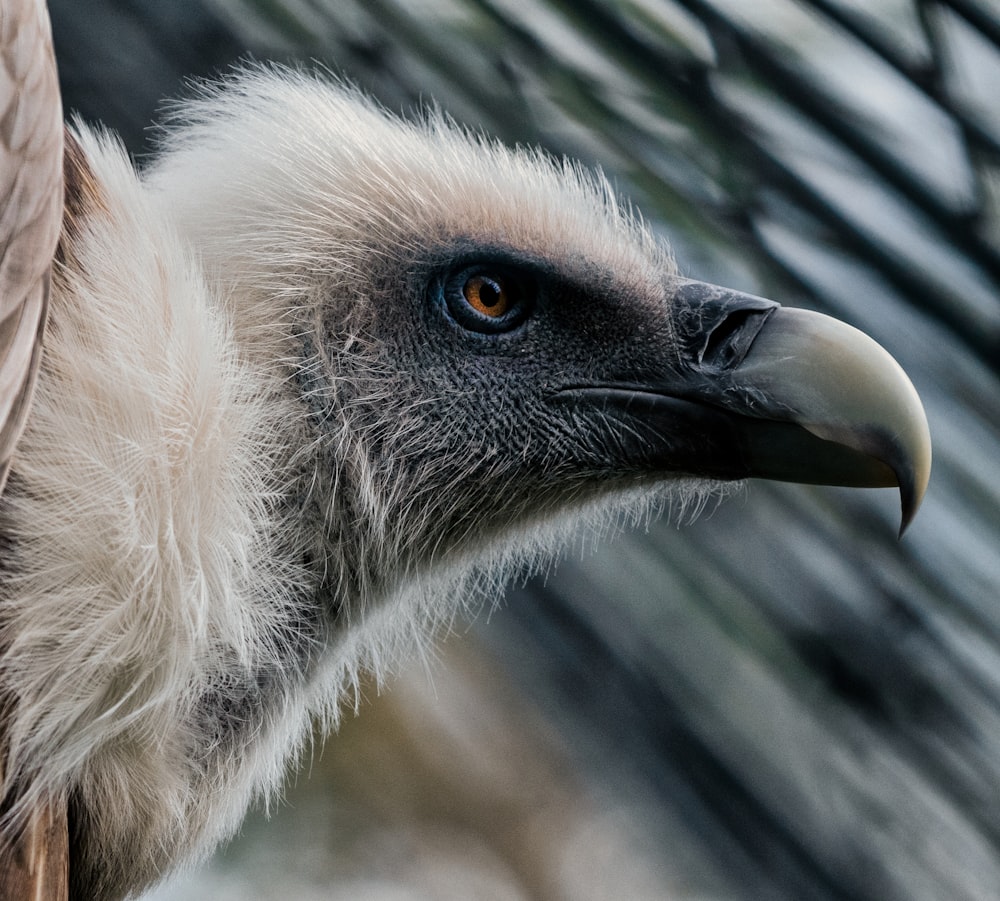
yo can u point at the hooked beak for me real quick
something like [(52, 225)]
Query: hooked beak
[(774, 393)]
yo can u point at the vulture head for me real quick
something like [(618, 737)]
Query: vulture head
[(486, 339), (315, 378)]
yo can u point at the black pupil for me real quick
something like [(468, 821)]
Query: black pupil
[(490, 293)]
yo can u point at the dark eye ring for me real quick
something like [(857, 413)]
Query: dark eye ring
[(488, 298)]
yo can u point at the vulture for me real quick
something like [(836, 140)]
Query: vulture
[(276, 407)]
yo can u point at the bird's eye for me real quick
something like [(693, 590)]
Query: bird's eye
[(489, 299), (486, 295)]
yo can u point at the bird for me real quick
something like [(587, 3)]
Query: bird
[(313, 382)]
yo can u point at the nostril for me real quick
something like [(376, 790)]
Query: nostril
[(729, 341)]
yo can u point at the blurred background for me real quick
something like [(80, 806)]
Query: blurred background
[(780, 700)]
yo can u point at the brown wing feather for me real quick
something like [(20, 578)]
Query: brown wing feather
[(31, 140), (35, 865), (34, 851)]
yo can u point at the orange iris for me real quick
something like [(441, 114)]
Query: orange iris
[(487, 296)]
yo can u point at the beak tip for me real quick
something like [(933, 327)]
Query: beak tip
[(912, 487), (915, 475), (909, 509)]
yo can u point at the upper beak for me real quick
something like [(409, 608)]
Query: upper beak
[(836, 384), (779, 393)]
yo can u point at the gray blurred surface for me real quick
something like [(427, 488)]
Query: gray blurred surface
[(781, 700)]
